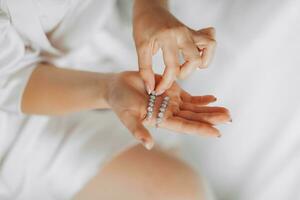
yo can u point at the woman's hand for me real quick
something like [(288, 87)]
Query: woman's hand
[(154, 27), (57, 91), (185, 113)]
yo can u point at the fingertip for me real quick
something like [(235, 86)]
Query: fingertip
[(160, 92), (159, 89), (204, 66), (164, 85), (148, 89), (149, 81), (214, 99), (217, 133), (210, 98), (148, 144), (212, 131)]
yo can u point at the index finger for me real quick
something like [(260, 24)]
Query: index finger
[(171, 59)]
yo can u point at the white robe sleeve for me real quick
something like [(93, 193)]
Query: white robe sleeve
[(16, 65)]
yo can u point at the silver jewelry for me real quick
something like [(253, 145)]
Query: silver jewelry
[(151, 104), (162, 110)]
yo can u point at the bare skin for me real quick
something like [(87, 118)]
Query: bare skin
[(163, 177), (56, 91), (154, 28), (157, 175), (185, 114)]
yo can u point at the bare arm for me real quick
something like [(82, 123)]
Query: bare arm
[(141, 6), (53, 91)]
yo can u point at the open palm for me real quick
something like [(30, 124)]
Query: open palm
[(185, 113)]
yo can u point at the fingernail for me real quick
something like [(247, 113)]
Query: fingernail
[(149, 145), (148, 89), (203, 66), (219, 136), (229, 121), (160, 92), (146, 144), (153, 93)]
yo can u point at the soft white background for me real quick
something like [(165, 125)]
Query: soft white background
[(255, 74)]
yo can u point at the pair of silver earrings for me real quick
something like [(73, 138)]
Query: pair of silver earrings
[(162, 108)]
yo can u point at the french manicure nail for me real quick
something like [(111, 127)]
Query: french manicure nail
[(153, 93), (149, 145), (144, 142), (159, 92), (148, 89)]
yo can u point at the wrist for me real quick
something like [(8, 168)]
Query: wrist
[(145, 6), (104, 89)]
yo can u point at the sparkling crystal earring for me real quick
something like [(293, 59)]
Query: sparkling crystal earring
[(151, 103), (162, 110)]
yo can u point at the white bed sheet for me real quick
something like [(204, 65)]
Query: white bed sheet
[(255, 74)]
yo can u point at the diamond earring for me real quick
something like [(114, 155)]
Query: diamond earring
[(162, 110), (151, 103)]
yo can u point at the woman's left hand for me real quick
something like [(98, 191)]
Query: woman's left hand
[(154, 27), (185, 113)]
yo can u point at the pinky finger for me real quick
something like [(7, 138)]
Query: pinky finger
[(182, 125)]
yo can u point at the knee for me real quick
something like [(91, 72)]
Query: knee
[(164, 176), (139, 174)]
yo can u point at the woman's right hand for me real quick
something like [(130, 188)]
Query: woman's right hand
[(185, 113)]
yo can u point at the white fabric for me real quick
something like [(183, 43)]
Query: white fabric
[(255, 74), (53, 157)]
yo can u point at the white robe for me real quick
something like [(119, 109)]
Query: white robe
[(53, 157), (254, 74)]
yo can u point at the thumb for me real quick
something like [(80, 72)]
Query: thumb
[(145, 68), (134, 124)]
